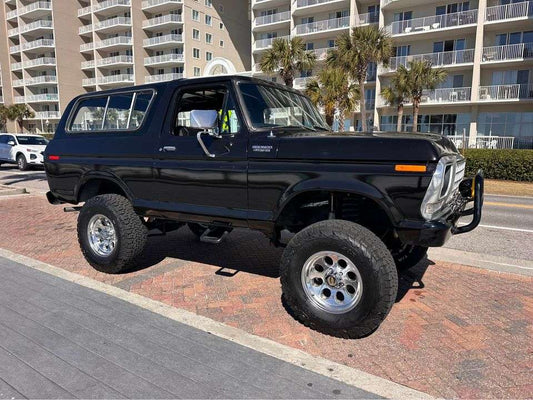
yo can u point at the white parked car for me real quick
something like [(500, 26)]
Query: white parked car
[(23, 150)]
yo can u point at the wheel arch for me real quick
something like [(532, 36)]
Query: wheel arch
[(95, 184)]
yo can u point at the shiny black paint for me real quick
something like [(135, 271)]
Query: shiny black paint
[(254, 175)]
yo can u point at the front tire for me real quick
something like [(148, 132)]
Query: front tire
[(110, 233), (338, 278), (407, 256), (22, 163)]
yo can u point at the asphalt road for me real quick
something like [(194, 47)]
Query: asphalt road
[(506, 228)]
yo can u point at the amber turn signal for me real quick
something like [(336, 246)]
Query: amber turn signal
[(410, 168)]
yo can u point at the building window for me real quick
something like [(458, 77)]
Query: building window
[(197, 71), (209, 3), (208, 20), (221, 8), (208, 56), (196, 34), (221, 25), (195, 15), (208, 38), (195, 53), (221, 43)]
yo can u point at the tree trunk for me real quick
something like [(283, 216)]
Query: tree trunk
[(362, 104), (20, 122), (400, 116), (341, 121), (416, 109), (330, 117)]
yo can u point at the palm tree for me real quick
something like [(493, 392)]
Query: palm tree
[(287, 56), (420, 76), (19, 112), (3, 116), (397, 94), (333, 91), (355, 52)]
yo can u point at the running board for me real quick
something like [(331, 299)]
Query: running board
[(207, 238)]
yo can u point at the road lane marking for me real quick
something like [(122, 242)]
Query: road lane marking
[(511, 205), (505, 228)]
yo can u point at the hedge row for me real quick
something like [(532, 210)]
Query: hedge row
[(511, 165)]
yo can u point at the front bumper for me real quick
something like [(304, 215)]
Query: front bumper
[(436, 233), (35, 158)]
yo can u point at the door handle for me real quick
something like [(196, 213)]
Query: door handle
[(168, 148)]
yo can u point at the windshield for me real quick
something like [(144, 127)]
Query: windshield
[(271, 107), (32, 140)]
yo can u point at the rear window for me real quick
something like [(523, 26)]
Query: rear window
[(117, 112)]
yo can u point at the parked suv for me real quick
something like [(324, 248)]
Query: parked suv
[(229, 152), (23, 150)]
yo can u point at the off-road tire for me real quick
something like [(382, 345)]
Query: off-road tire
[(371, 257), (131, 233), (408, 256), (22, 163)]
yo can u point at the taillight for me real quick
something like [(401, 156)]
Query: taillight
[(53, 158)]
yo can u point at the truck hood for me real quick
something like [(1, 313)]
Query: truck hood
[(359, 146)]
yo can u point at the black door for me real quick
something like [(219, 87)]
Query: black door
[(187, 178)]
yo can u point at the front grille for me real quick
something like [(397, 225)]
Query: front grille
[(459, 174)]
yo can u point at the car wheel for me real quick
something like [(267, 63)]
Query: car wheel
[(407, 256), (199, 229), (338, 278), (22, 163), (110, 233)]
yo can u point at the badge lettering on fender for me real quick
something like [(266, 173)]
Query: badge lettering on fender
[(262, 148)]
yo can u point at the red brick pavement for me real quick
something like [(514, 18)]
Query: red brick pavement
[(455, 331)]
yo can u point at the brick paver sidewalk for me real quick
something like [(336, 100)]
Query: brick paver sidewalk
[(454, 331)]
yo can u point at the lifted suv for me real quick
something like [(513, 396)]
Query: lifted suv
[(233, 152)]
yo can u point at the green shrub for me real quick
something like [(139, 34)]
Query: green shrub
[(511, 165)]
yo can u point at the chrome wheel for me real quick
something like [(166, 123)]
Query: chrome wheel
[(102, 235), (332, 282)]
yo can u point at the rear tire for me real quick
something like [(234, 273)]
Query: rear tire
[(407, 256), (22, 163), (362, 269), (110, 233)]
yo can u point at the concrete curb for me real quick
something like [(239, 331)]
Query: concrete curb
[(10, 190), (342, 373)]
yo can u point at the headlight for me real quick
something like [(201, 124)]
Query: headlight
[(440, 188)]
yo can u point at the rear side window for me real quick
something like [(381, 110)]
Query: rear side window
[(117, 112)]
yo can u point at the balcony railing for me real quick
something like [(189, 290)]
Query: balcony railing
[(47, 115), (112, 22), (322, 53), (104, 80), (508, 52), (324, 25), (41, 61), (41, 79), (118, 40), (111, 3), (88, 82), (446, 95), (85, 29), (170, 38), (16, 66), (13, 32), (38, 43), (509, 11), (123, 59), (88, 64), (12, 14), (434, 22), (18, 82), (84, 11), (440, 59), (154, 3), (87, 46), (307, 3), (165, 19), (36, 25), (273, 18), (368, 18), (15, 49), (301, 83), (265, 43), (38, 5), (499, 92), (165, 58), (162, 78), (36, 98)]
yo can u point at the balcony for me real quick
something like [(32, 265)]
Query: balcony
[(40, 62), (18, 82), (301, 83), (512, 11), (115, 61), (433, 23), (442, 59), (41, 80), (322, 53), (303, 6), (162, 78), (88, 64), (368, 18), (111, 6), (87, 47), (327, 25), (15, 49), (85, 29), (38, 44), (47, 115), (88, 82), (113, 24), (447, 95), (16, 66), (269, 20), (510, 92), (262, 44), (163, 41), (12, 14), (41, 25), (165, 21), (85, 11), (39, 98), (114, 43), (13, 32), (160, 5), (39, 8), (165, 59), (510, 52), (116, 79)]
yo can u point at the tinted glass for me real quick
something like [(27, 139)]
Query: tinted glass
[(32, 140), (89, 115), (142, 101), (3, 139), (118, 111)]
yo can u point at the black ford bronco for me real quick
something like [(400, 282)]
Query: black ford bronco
[(231, 152)]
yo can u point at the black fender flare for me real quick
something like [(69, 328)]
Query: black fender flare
[(102, 176)]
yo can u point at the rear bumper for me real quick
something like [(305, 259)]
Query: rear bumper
[(436, 233)]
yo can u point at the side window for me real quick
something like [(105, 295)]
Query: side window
[(218, 99), (118, 112), (3, 139)]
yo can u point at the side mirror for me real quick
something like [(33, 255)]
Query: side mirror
[(204, 119), (11, 143)]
